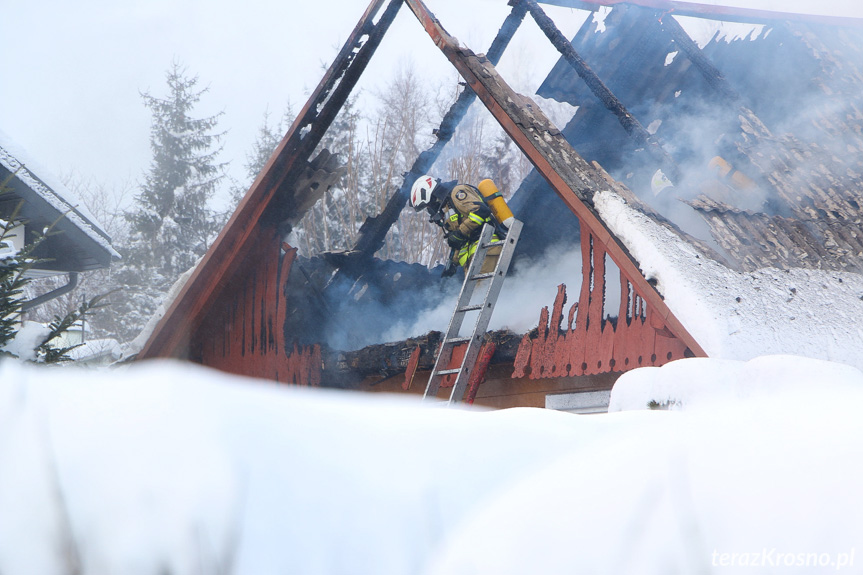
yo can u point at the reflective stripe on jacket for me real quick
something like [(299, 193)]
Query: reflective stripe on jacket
[(470, 212), (468, 250)]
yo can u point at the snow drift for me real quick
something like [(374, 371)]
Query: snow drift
[(171, 468)]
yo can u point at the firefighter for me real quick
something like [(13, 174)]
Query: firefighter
[(461, 210)]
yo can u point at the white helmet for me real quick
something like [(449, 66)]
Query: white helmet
[(421, 192)]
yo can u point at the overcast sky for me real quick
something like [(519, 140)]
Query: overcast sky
[(74, 70)]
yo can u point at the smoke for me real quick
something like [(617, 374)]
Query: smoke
[(531, 285), (797, 79)]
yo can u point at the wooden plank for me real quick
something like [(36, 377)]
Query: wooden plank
[(411, 371), (477, 377)]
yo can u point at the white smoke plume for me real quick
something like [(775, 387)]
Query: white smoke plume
[(529, 287)]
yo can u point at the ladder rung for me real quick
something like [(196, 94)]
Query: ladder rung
[(482, 276), (485, 308), (448, 371)]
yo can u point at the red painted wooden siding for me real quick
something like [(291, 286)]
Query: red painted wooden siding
[(587, 343), (244, 333)]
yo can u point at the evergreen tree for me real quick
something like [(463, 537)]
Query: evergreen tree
[(268, 138), (39, 344), (171, 223)]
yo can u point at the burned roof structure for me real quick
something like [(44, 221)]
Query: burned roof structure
[(679, 139), (775, 117)]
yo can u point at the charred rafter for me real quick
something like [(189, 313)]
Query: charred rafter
[(629, 122), (714, 12), (572, 178), (388, 360), (374, 230)]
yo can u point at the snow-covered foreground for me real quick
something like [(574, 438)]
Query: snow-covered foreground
[(169, 468)]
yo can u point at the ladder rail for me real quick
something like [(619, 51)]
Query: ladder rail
[(484, 317), (485, 309), (454, 327)]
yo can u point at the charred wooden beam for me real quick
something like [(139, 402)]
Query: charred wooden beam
[(572, 178), (318, 119), (629, 122), (715, 12), (714, 78), (311, 184), (374, 229), (258, 215), (388, 360), (712, 75)]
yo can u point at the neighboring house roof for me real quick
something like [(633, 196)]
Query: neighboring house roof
[(79, 243)]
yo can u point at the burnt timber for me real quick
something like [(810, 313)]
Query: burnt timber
[(795, 136)]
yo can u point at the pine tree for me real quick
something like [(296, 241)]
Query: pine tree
[(268, 138), (171, 223), (14, 267), (13, 264)]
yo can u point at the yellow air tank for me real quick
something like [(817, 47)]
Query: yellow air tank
[(495, 201)]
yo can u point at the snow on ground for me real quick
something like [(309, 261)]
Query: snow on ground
[(30, 335), (698, 382), (171, 468), (741, 315)]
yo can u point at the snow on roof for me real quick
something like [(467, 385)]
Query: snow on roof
[(137, 344), (704, 31), (15, 159), (94, 349), (170, 467), (741, 315)]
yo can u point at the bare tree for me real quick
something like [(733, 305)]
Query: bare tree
[(107, 205)]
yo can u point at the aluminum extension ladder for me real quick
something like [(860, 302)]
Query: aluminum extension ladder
[(485, 308)]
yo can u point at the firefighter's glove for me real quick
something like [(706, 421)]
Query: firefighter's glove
[(455, 240), (449, 270)]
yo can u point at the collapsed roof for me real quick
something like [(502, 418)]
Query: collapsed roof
[(765, 129), (767, 200)]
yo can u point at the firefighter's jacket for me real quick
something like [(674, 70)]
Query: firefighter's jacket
[(465, 212)]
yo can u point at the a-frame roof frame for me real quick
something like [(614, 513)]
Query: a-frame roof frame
[(272, 191), (573, 179)]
